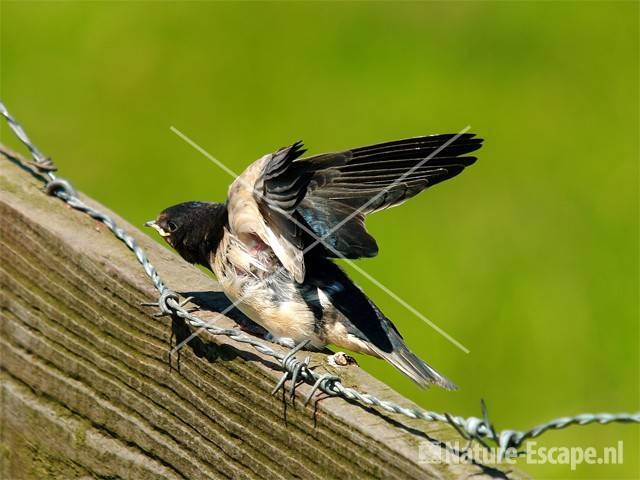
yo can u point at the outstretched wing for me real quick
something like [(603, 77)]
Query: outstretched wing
[(325, 198), (346, 186)]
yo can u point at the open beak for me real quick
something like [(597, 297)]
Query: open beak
[(158, 228)]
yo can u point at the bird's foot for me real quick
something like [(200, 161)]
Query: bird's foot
[(341, 359), (292, 369), (283, 341)]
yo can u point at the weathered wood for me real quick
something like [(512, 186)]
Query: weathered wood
[(87, 390)]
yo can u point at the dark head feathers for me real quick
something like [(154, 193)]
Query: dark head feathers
[(193, 229)]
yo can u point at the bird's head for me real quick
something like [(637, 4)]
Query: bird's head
[(193, 229)]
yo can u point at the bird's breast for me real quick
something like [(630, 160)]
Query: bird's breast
[(263, 290)]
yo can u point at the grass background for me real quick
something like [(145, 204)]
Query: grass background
[(529, 259)]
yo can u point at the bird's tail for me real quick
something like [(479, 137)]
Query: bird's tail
[(413, 367)]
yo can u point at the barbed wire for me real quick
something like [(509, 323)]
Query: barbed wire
[(169, 304)]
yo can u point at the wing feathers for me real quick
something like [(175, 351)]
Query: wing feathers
[(406, 163), (381, 176), (281, 160), (339, 189), (428, 140)]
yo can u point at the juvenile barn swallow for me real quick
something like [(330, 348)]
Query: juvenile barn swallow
[(270, 244)]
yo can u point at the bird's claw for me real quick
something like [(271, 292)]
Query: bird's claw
[(341, 359)]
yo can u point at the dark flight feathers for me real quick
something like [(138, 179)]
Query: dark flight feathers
[(332, 193), (282, 186)]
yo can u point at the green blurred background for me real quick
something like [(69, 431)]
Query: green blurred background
[(529, 259)]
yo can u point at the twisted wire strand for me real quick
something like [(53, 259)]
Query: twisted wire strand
[(471, 428)]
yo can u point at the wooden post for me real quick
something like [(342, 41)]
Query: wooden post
[(87, 390)]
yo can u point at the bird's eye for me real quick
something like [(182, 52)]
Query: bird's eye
[(172, 227)]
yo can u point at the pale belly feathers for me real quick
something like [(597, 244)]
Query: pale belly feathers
[(264, 291)]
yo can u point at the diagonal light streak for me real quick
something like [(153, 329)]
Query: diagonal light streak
[(330, 232)]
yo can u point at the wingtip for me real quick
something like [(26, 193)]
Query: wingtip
[(291, 152), (297, 149)]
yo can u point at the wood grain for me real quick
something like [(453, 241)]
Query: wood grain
[(87, 390)]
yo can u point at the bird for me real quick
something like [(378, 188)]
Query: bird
[(271, 244)]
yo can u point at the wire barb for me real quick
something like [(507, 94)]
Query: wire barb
[(321, 384), (292, 367), (169, 303)]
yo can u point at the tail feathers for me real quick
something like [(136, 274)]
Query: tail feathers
[(413, 367)]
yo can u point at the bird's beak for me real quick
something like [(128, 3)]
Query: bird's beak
[(158, 228)]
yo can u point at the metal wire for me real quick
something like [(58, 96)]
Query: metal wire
[(169, 303)]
